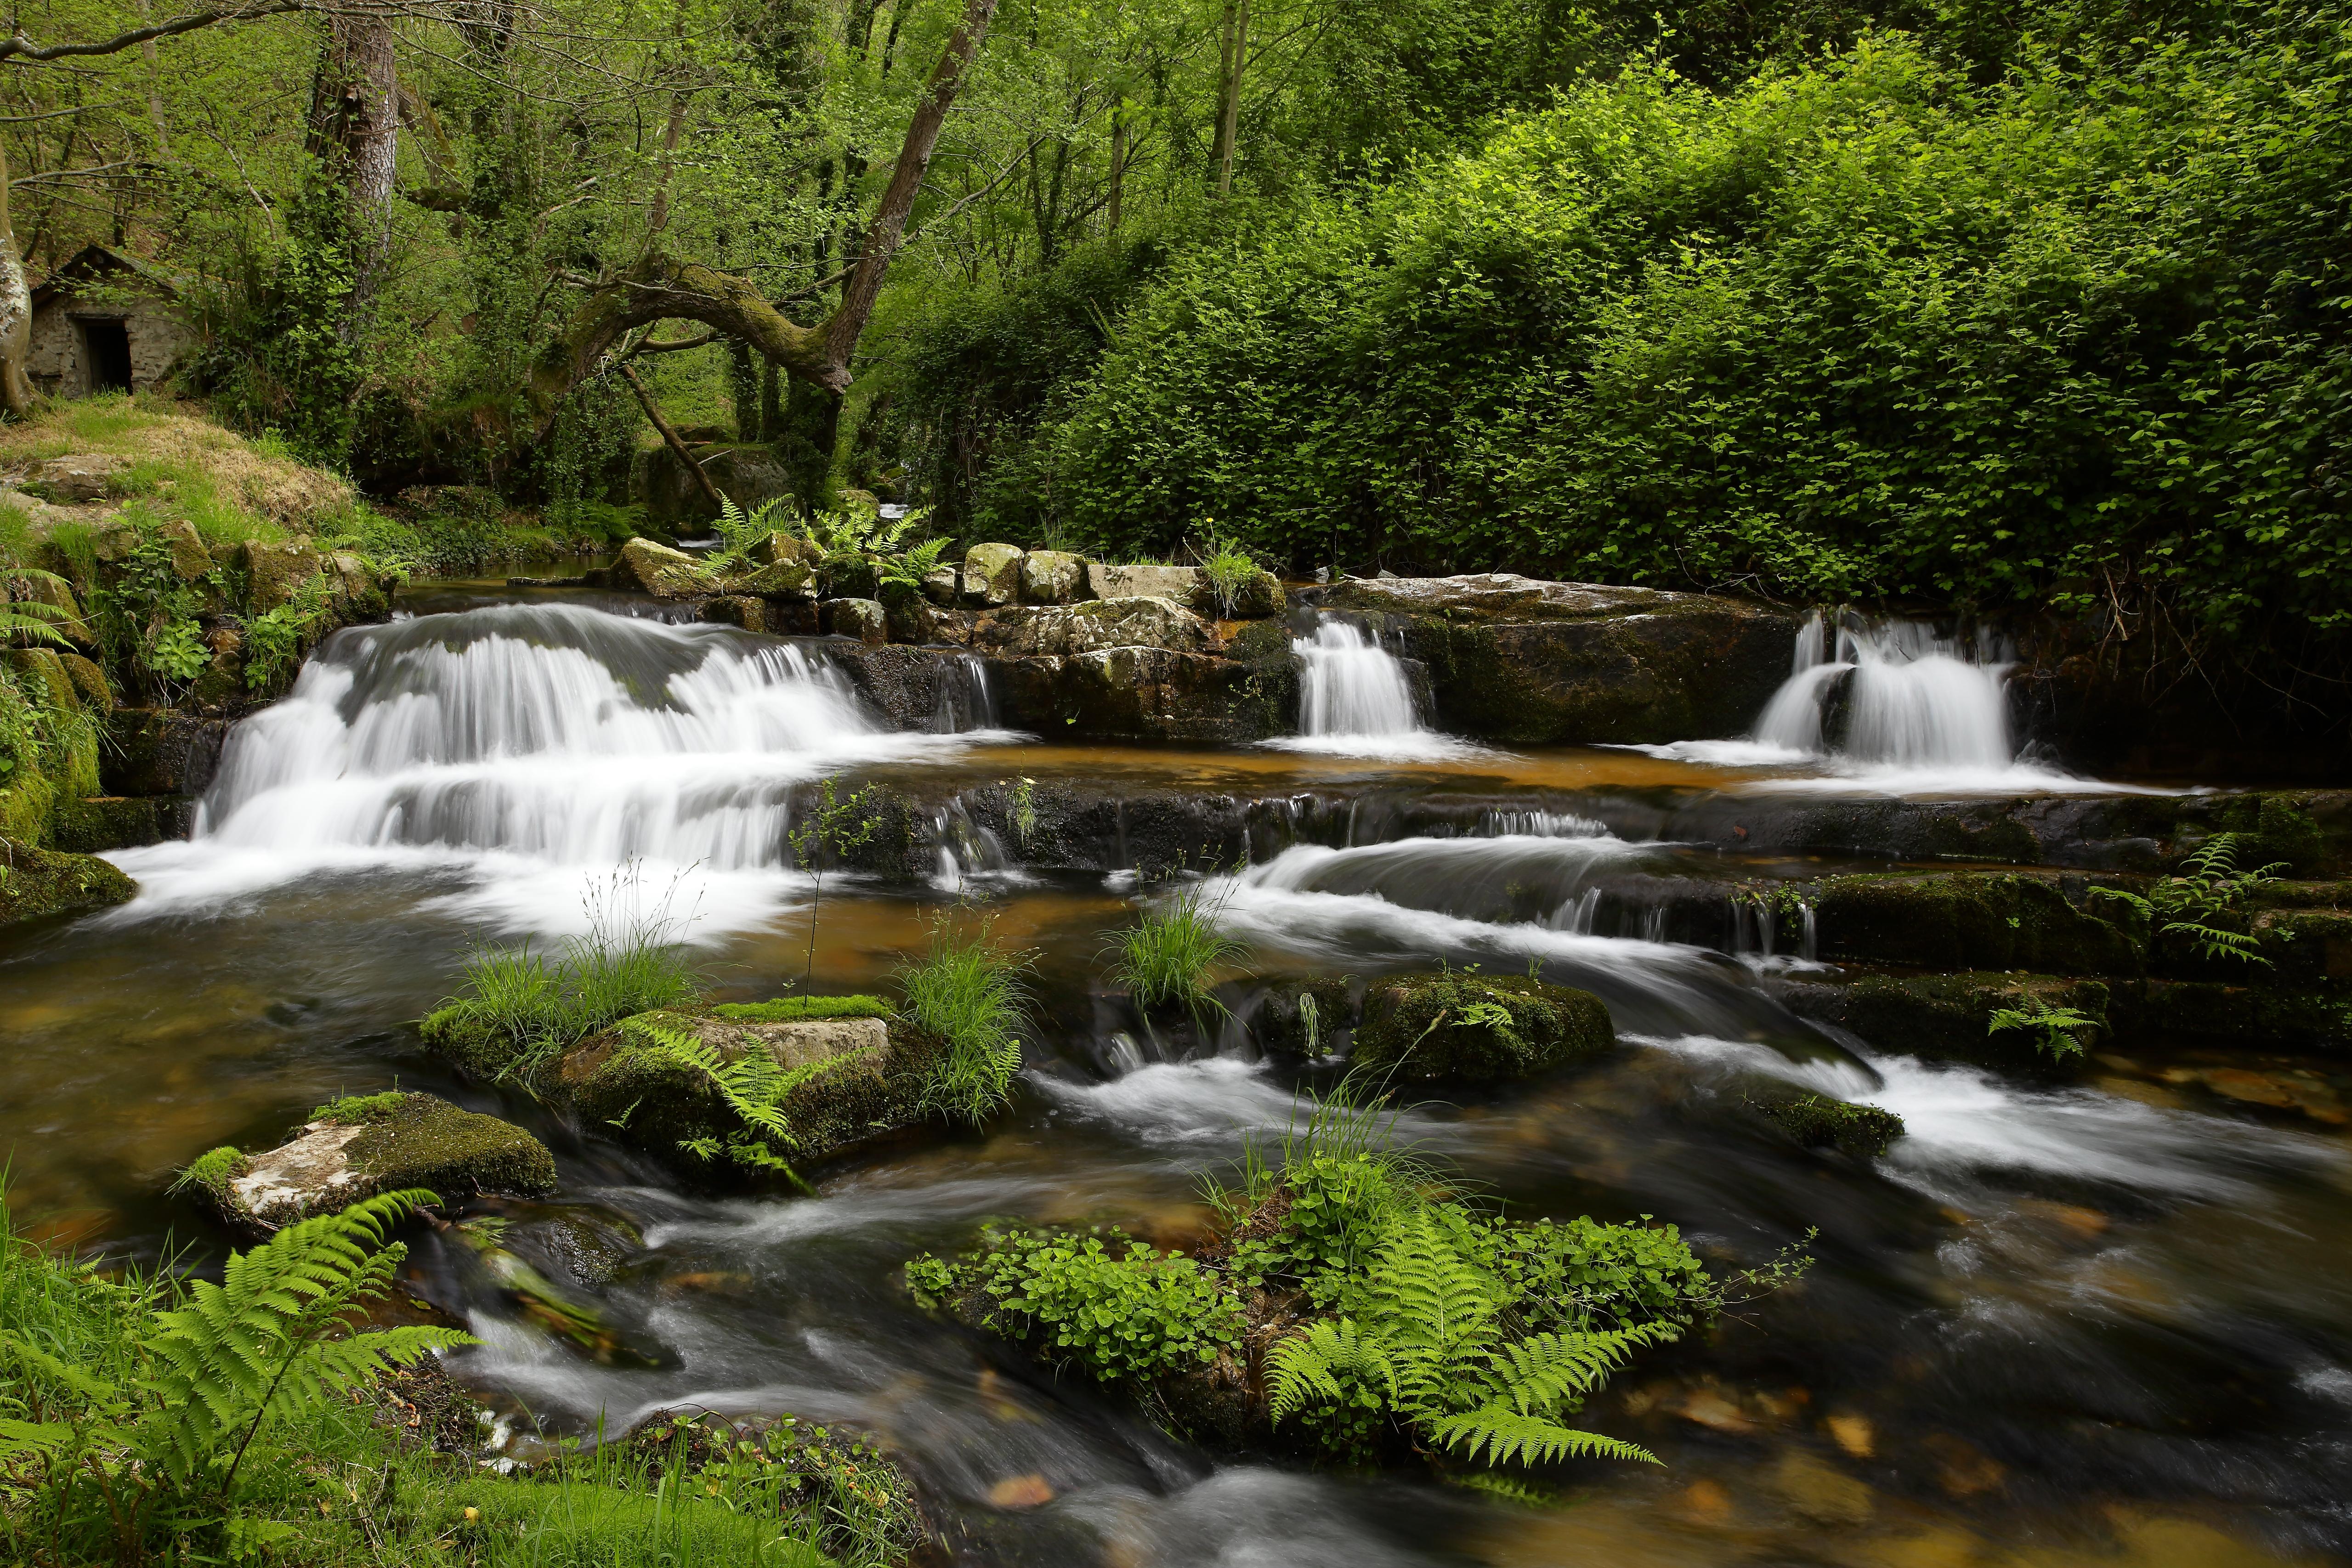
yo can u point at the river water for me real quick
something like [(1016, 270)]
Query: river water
[(2096, 1321)]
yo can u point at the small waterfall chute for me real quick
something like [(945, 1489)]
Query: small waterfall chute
[(1355, 698)]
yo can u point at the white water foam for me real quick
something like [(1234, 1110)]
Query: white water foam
[(1961, 1122), (529, 747), (1924, 714), (1355, 701)]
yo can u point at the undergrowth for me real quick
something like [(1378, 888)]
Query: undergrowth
[(971, 994), (1167, 957)]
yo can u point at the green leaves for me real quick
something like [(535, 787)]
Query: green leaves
[(1116, 1311)]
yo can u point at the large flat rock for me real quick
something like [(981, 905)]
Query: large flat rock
[(355, 1149)]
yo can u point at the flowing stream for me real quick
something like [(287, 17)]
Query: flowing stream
[(2055, 1325)]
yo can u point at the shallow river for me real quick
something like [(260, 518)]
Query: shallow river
[(2055, 1324)]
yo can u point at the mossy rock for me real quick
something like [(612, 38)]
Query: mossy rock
[(628, 1088), (1818, 1121), (105, 822), (461, 1037), (35, 882), (355, 1148), (1944, 1015), (1969, 920), (849, 575), (1285, 1022), (2316, 1017), (1426, 1029)]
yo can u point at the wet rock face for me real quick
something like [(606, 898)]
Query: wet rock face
[(1514, 659), (1970, 920), (161, 751), (1817, 1122), (382, 1143), (1477, 1029), (666, 573), (1947, 1015), (1145, 694), (862, 618)]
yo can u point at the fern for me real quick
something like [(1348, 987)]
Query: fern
[(256, 1344), (754, 1084), (1431, 1332)]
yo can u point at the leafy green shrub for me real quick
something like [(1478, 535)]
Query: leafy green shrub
[(971, 994), (1167, 955), (2210, 889), (1113, 1306), (754, 1085)]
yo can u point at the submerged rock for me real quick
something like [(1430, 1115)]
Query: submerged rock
[(1476, 1029), (1948, 1015), (36, 882), (1818, 1121), (356, 1148)]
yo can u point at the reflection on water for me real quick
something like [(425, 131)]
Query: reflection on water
[(2055, 1325)]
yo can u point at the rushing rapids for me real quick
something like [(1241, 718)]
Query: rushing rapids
[(2100, 1319)]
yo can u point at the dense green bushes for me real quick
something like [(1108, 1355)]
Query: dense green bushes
[(1860, 329)]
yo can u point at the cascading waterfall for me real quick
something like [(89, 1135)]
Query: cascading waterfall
[(549, 735), (1913, 699), (1354, 698), (965, 702)]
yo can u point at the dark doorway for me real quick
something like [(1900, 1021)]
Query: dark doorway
[(108, 347)]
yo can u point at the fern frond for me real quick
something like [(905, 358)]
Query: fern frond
[(1311, 1362), (1544, 1371), (1500, 1433)]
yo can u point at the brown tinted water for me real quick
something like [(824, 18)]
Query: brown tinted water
[(2059, 1323)]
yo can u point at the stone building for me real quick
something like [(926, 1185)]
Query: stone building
[(105, 322)]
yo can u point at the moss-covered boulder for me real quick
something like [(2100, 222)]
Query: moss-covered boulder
[(1051, 576), (849, 575), (2314, 1016), (1818, 1121), (991, 576), (355, 1148), (1145, 694), (864, 620), (1303, 1017), (1465, 1028), (1056, 630), (276, 574), (1520, 660), (857, 1072), (666, 573), (1970, 920), (1946, 1015), (37, 882), (91, 824)]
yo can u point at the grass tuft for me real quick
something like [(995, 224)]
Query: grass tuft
[(973, 995), (1167, 955)]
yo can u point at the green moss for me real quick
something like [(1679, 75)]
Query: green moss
[(35, 883), (468, 1041), (1945, 1014), (353, 1109), (427, 1142), (1970, 920), (211, 1172), (786, 1010), (1477, 1029), (104, 822), (1819, 1123)]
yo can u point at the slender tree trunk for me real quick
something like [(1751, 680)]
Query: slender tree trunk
[(671, 438), (1234, 52), (1117, 160), (155, 86), (356, 126), (15, 312), (743, 390), (771, 401)]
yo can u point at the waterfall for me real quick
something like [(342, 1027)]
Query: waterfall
[(965, 703), (542, 739), (1912, 699), (1354, 698)]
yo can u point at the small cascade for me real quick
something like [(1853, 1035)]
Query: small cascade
[(1496, 823), (549, 735), (966, 849), (1909, 698), (1575, 916), (1355, 700), (1351, 685), (965, 703)]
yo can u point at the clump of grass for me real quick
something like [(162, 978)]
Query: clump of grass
[(629, 962), (1166, 957), (971, 994), (211, 1172)]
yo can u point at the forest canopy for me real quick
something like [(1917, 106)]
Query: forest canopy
[(1989, 307)]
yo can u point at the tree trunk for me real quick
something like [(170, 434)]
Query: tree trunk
[(743, 390), (1117, 160), (15, 313), (671, 439), (804, 441), (355, 127), (1235, 50)]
